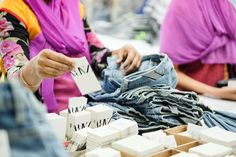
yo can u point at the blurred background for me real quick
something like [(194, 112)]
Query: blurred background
[(119, 22), (137, 22)]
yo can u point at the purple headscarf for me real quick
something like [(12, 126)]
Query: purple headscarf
[(62, 31), (200, 30)]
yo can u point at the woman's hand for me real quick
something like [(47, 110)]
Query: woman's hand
[(131, 58), (47, 64), (50, 64), (224, 93)]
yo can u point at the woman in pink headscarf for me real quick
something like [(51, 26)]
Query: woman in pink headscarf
[(39, 38), (200, 37)]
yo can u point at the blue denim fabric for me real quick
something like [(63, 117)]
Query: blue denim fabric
[(160, 104), (154, 70), (166, 105), (150, 92), (221, 119), (127, 112), (23, 117)]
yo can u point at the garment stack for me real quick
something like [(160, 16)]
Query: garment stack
[(150, 98)]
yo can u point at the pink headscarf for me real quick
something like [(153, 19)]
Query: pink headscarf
[(200, 30), (62, 31)]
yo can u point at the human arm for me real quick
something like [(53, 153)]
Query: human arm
[(47, 64), (187, 83), (14, 50), (128, 55)]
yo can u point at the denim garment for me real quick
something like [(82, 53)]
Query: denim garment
[(165, 105), (221, 119), (154, 70), (160, 104), (23, 117), (144, 124), (150, 91)]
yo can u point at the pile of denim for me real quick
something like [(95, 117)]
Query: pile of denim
[(24, 119), (142, 96), (149, 97)]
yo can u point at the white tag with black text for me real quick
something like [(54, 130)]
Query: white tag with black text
[(84, 77), (77, 104), (4, 144)]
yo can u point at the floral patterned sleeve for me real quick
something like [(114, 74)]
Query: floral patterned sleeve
[(14, 47), (98, 52)]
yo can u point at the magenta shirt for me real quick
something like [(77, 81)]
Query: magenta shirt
[(65, 88)]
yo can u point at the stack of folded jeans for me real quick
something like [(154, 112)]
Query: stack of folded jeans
[(127, 112), (24, 118), (155, 69), (161, 104), (148, 95)]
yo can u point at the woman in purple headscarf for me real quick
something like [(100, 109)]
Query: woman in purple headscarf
[(39, 38), (200, 37)]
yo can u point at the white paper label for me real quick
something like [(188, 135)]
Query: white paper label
[(78, 141), (84, 77), (101, 121), (77, 122), (101, 115), (4, 144), (77, 104)]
